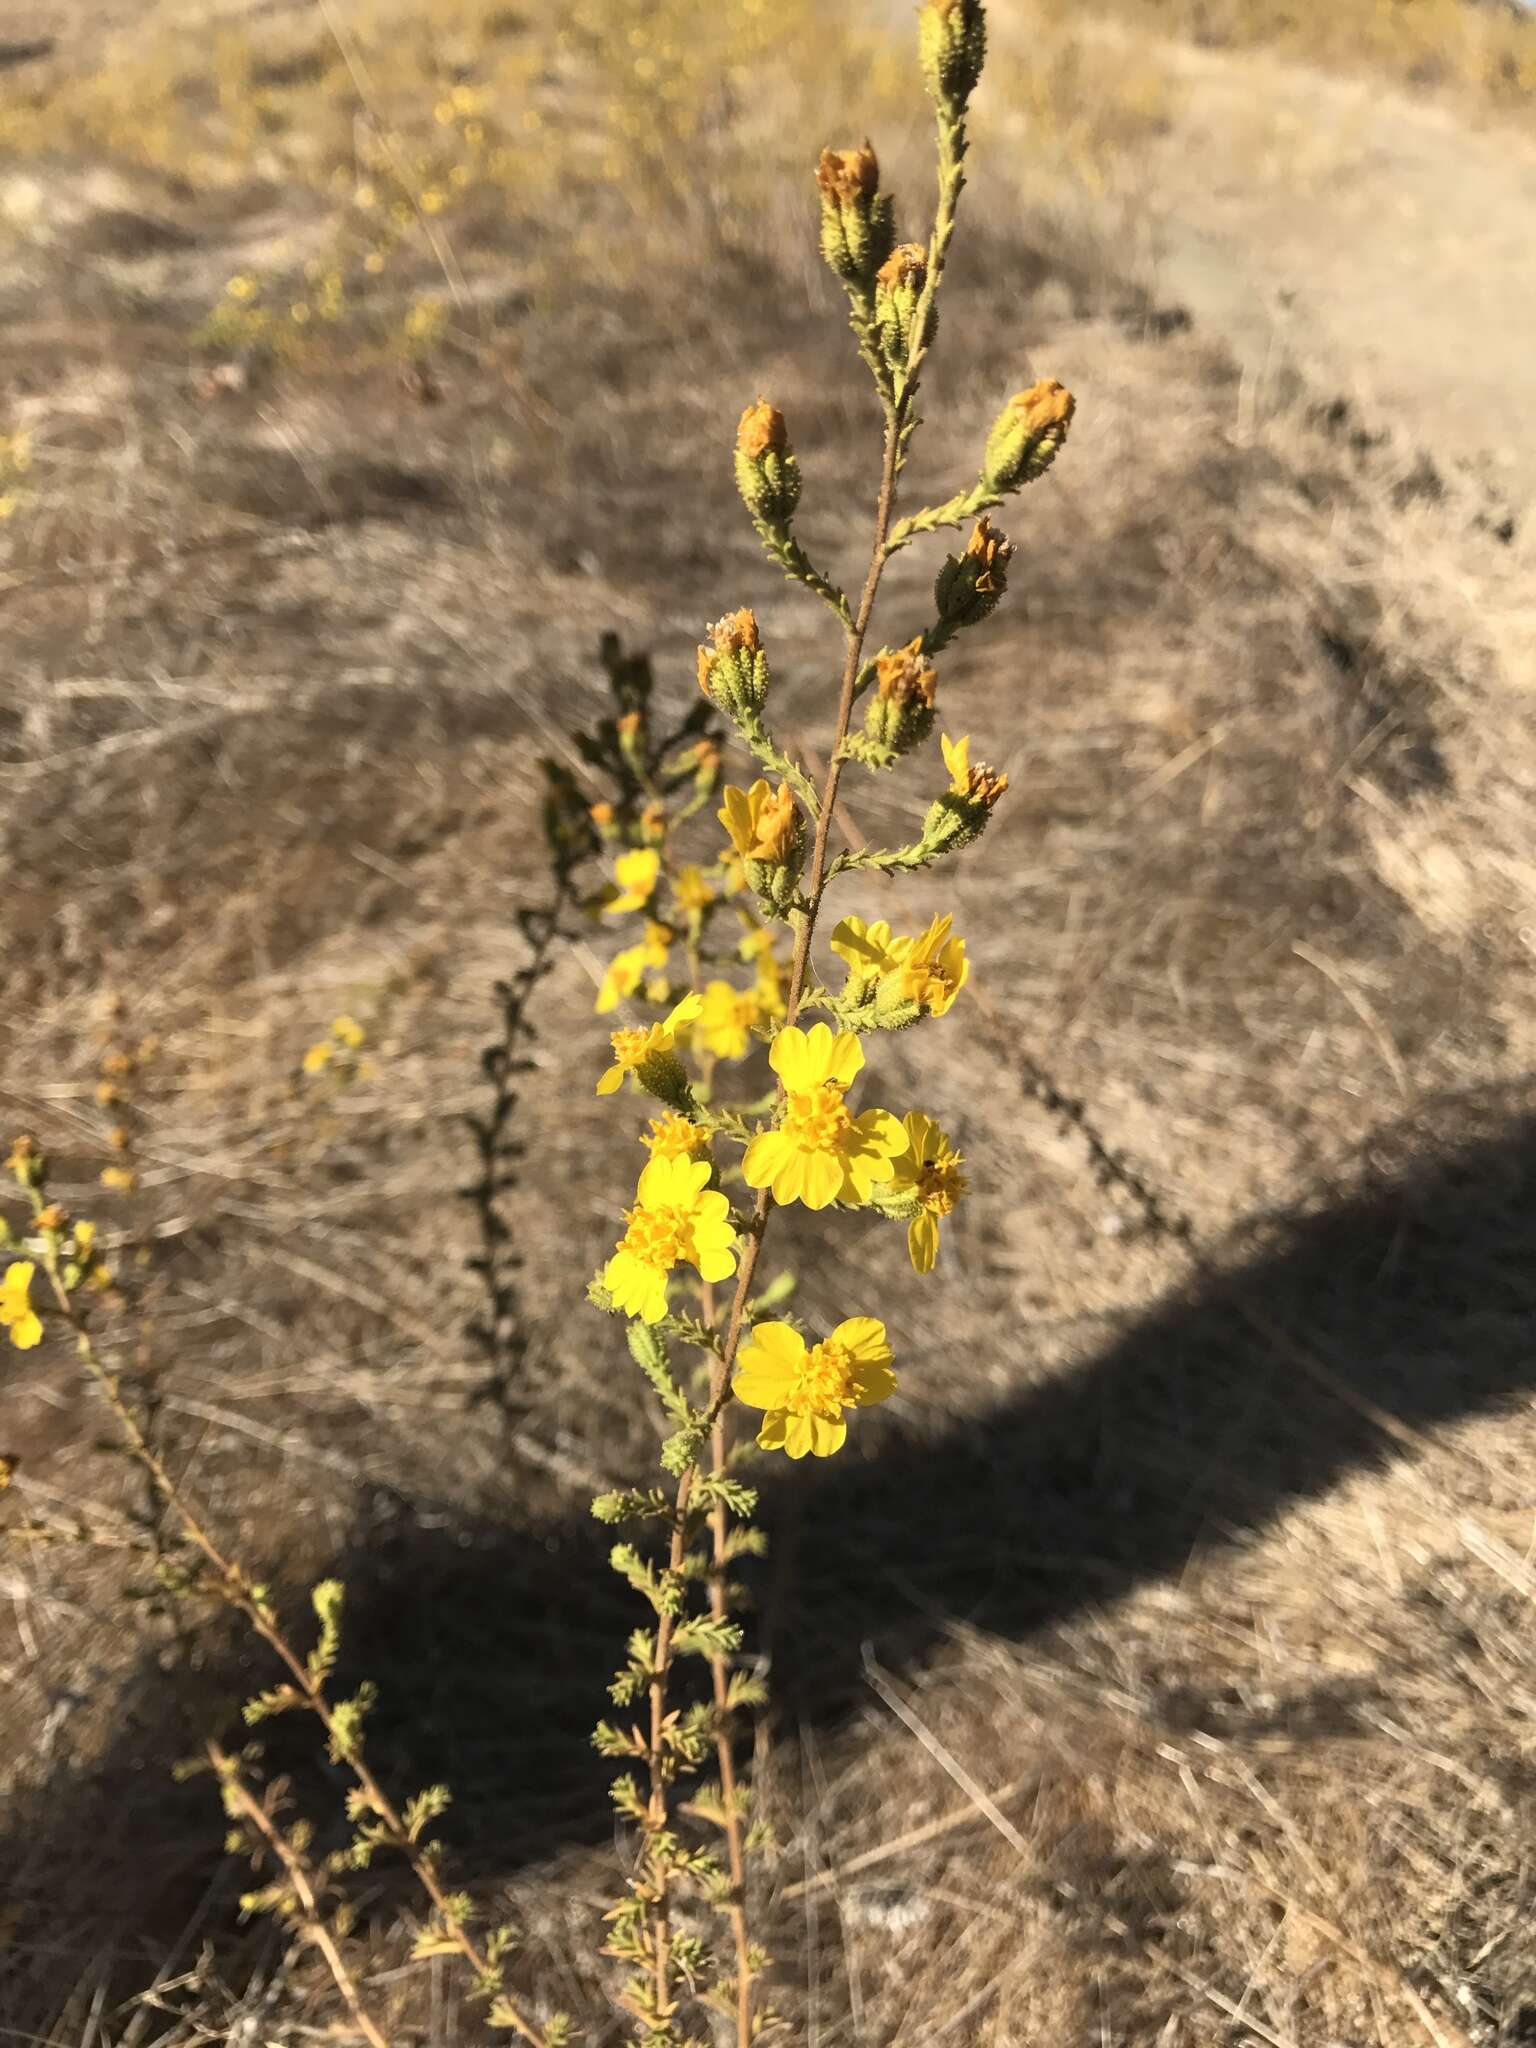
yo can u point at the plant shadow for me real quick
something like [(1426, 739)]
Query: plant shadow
[(1414, 1295)]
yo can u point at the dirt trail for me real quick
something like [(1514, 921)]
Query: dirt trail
[(1383, 245)]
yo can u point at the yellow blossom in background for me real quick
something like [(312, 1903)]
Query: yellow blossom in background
[(725, 1023), (635, 873), (691, 890), (929, 1170), (17, 1314), (670, 1136), (820, 1152), (677, 1219), (633, 1049), (758, 949), (241, 288), (318, 1056), (348, 1032), (627, 970), (734, 871), (121, 1179), (934, 968), (805, 1389)]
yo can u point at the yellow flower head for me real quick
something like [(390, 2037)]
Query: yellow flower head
[(981, 784), (928, 1171), (318, 1056), (757, 947), (16, 1311), (934, 968), (634, 1051), (725, 1023), (805, 1389), (929, 971), (626, 970), (677, 1219), (635, 873), (762, 825), (121, 1179), (867, 948), (670, 1136), (348, 1032), (820, 1152), (691, 889)]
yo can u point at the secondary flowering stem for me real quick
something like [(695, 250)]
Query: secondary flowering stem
[(235, 1589)]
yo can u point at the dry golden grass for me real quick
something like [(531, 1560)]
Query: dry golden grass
[(1194, 1564)]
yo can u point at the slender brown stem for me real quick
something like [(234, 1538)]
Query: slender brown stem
[(236, 1590), (719, 1390), (240, 1799)]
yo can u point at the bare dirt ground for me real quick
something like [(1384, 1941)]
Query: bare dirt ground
[(1158, 1668)]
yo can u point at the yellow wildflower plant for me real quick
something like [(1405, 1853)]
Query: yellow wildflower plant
[(806, 1389), (926, 1173), (17, 1315), (820, 1152), (677, 1219), (724, 1029), (627, 971), (635, 873), (670, 1136), (649, 1053)]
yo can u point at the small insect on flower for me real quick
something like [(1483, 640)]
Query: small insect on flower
[(650, 1053), (805, 1389), (928, 1171), (17, 1314), (820, 1152), (725, 1024), (635, 873), (677, 1219)]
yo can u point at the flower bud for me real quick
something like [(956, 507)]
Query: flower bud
[(733, 669), (969, 585), (856, 217), (901, 713), (951, 48), (960, 815), (767, 474), (898, 287), (1026, 435)]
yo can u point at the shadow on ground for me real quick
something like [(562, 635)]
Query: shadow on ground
[(1416, 1292)]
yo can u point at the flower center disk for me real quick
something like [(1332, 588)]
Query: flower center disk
[(817, 1118), (823, 1382), (659, 1237)]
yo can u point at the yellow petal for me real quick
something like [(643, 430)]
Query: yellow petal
[(863, 1337), (799, 1436), (684, 1012), (826, 1437), (26, 1331), (16, 1283), (923, 1241), (612, 1080), (716, 1263), (822, 1180), (844, 1058), (761, 1380), (789, 1181), (789, 1058), (771, 1436), (765, 1156)]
